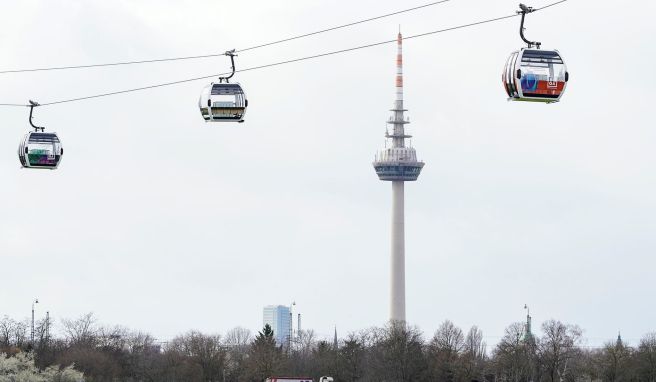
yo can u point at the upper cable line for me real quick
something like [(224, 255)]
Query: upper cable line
[(462, 26), (262, 45)]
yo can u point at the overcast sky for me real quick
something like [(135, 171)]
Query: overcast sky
[(160, 222)]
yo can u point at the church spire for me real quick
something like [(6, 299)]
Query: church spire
[(528, 335), (619, 340)]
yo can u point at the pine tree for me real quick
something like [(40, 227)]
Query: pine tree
[(264, 356)]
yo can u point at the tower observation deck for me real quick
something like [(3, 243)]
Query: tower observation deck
[(398, 164)]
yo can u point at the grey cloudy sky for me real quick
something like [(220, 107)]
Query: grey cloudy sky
[(160, 222)]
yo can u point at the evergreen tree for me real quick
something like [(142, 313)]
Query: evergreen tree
[(264, 356), (350, 360)]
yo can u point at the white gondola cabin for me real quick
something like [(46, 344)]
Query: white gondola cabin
[(40, 150), (535, 75), (223, 102)]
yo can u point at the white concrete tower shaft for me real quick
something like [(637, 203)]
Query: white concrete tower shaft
[(397, 260), (397, 275), (398, 164)]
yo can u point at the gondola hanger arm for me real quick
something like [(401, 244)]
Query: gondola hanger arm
[(232, 55), (523, 11), (34, 104)]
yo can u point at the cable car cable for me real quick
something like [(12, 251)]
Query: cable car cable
[(549, 5), (342, 26), (275, 63), (221, 54), (14, 104), (283, 62)]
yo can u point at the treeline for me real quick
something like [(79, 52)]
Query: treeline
[(394, 353)]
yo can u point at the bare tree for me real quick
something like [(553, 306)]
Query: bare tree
[(474, 343), (112, 337), (615, 358), (238, 341), (20, 329), (558, 348), (43, 344), (142, 354), (41, 332), (397, 354), (513, 355), (449, 338), (13, 335), (141, 342), (444, 352), (81, 331), (238, 338), (350, 359), (206, 350), (646, 357), (306, 341), (473, 358), (304, 356), (6, 327)]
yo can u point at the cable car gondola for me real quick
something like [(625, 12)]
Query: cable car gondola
[(40, 149), (534, 74), (222, 101)]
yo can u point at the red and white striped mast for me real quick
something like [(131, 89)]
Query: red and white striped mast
[(399, 120)]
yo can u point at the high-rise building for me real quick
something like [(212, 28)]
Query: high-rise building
[(279, 317), (398, 163)]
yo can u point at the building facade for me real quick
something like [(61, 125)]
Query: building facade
[(280, 319)]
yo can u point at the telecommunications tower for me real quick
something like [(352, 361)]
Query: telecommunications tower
[(398, 164)]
